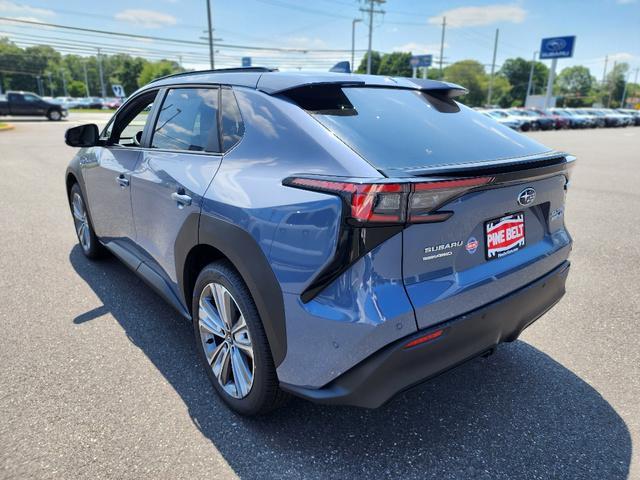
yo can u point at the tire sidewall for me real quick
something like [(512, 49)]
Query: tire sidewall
[(224, 274), (95, 248), (52, 114)]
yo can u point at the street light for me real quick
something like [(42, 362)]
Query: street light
[(353, 41), (529, 85)]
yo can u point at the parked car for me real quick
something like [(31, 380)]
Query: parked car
[(30, 104), (507, 120), (112, 103), (634, 114), (593, 121), (530, 122), (558, 121), (90, 102), (67, 102), (332, 237), (539, 121), (575, 121)]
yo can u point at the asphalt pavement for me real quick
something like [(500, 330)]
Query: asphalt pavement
[(99, 378)]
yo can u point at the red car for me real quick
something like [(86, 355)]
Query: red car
[(560, 122)]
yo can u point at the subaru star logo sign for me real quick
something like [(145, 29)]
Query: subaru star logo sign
[(556, 44), (557, 47), (527, 196)]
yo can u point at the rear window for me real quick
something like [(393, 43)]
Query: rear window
[(396, 129)]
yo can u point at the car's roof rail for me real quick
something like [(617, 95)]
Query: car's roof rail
[(218, 70)]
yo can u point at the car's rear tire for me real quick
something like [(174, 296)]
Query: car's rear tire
[(54, 115), (232, 343), (87, 239)]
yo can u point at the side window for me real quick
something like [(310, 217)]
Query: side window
[(30, 98), (136, 126), (127, 127), (188, 120), (232, 125)]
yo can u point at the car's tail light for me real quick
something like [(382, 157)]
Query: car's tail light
[(393, 202)]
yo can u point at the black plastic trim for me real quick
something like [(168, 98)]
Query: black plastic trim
[(248, 258), (396, 368)]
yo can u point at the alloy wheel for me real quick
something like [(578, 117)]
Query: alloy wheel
[(226, 340), (81, 221)]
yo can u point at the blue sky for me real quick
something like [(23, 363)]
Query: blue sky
[(602, 27)]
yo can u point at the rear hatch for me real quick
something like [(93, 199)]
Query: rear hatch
[(495, 238), (496, 241)]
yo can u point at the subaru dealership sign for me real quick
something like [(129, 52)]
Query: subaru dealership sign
[(557, 47), (421, 61)]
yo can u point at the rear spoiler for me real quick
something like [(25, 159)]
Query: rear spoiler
[(277, 84), (510, 170)]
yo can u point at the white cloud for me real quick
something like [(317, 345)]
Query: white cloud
[(621, 57), (11, 8), (478, 16), (419, 48), (305, 42), (625, 2), (146, 18)]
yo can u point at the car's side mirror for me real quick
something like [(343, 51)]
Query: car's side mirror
[(82, 136)]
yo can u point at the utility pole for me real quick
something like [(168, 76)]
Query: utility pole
[(211, 59), (624, 91), (613, 84), (371, 10), (86, 78), (100, 73), (444, 26), (64, 83), (550, 80), (493, 67), (50, 83), (353, 41), (530, 84), (39, 82), (604, 74)]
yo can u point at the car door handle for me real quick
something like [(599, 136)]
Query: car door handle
[(182, 199), (122, 181)]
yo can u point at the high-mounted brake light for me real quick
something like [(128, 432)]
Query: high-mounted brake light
[(393, 202)]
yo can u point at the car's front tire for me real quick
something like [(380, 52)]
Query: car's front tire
[(89, 243), (54, 115), (232, 343)]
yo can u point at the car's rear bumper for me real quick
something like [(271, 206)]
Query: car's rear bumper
[(396, 368)]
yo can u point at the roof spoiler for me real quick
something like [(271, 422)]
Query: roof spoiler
[(341, 67)]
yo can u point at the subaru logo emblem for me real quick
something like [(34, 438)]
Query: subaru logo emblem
[(527, 196), (556, 44)]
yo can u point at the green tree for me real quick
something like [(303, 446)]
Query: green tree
[(614, 85), (516, 71), (395, 64), (375, 63), (157, 69), (471, 75), (501, 90), (76, 88)]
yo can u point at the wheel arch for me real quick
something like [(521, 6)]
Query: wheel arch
[(221, 240)]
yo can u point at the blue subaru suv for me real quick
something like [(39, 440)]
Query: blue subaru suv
[(337, 237)]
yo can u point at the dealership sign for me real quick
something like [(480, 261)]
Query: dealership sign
[(421, 61), (557, 47)]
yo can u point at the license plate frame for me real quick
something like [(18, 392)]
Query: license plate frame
[(508, 235)]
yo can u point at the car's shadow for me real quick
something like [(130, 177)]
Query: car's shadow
[(517, 414)]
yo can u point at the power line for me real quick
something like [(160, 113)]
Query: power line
[(173, 40)]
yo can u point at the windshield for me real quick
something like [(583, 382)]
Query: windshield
[(394, 128)]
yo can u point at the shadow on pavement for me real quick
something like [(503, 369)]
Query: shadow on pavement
[(517, 414)]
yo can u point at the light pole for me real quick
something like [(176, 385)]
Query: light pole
[(530, 84), (211, 59), (353, 41)]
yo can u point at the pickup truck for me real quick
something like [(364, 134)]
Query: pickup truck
[(30, 104)]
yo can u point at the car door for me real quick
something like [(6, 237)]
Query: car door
[(24, 104), (107, 173), (174, 172)]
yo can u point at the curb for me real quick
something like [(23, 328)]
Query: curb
[(6, 126)]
